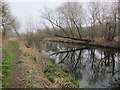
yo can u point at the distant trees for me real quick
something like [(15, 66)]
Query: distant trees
[(103, 19), (34, 35), (73, 20), (0, 18), (111, 22), (9, 22), (15, 26), (94, 16), (72, 15)]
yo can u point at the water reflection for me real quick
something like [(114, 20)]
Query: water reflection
[(92, 67)]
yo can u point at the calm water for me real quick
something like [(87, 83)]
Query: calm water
[(92, 67)]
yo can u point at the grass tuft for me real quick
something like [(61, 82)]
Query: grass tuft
[(57, 75), (20, 61)]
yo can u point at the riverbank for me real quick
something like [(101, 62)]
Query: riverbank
[(94, 43), (41, 71), (34, 70), (58, 75)]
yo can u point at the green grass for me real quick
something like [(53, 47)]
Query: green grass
[(8, 55), (56, 71), (20, 61)]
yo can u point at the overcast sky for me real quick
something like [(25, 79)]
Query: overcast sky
[(30, 9)]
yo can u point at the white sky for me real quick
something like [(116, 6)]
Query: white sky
[(30, 9)]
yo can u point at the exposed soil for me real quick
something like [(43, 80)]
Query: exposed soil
[(15, 75)]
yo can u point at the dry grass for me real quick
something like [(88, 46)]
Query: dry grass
[(5, 43), (32, 69), (117, 38)]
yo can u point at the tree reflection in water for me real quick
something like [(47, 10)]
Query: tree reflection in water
[(92, 67)]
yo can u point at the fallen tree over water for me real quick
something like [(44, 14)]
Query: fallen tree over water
[(85, 40), (116, 45)]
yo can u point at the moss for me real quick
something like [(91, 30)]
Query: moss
[(56, 74)]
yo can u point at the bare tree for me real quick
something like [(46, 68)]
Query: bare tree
[(0, 18), (111, 22), (93, 12), (15, 26), (5, 18), (73, 15), (9, 22), (69, 18), (48, 15), (104, 16)]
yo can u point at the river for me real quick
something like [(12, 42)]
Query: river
[(92, 67)]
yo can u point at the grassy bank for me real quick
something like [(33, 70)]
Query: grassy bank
[(38, 70), (57, 74), (8, 55)]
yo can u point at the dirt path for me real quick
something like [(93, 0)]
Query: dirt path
[(15, 81)]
